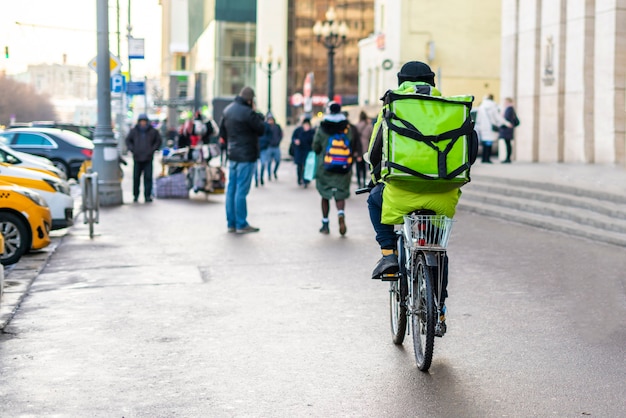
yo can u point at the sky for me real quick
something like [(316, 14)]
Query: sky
[(49, 29)]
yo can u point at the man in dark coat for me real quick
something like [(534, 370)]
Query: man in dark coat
[(240, 128), (143, 140)]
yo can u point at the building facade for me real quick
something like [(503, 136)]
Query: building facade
[(460, 42), (565, 63), (208, 49), (72, 90), (307, 55)]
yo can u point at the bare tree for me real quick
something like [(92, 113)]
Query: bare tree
[(23, 102)]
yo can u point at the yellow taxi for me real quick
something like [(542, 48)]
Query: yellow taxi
[(55, 191), (25, 221), (1, 268)]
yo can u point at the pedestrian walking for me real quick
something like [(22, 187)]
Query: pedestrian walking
[(364, 130), (332, 132), (273, 149), (240, 129), (264, 142), (507, 133), (488, 123), (143, 141), (302, 141)]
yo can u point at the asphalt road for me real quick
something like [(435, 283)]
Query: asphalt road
[(165, 314)]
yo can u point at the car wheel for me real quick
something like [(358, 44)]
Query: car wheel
[(63, 167), (16, 238)]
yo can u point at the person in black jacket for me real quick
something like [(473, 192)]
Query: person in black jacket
[(240, 129), (143, 140), (507, 132)]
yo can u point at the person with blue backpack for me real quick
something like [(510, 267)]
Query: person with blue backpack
[(332, 145)]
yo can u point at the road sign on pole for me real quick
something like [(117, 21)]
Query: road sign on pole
[(114, 63), (118, 83), (136, 88)]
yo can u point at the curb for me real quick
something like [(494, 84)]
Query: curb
[(19, 277)]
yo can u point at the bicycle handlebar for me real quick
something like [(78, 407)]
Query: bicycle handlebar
[(363, 190)]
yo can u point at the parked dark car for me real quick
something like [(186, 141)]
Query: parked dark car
[(66, 149), (85, 130)]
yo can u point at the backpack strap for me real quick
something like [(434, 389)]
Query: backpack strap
[(412, 132), (442, 167)]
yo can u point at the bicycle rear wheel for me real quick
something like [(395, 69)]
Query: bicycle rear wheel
[(423, 318), (397, 302), (398, 313)]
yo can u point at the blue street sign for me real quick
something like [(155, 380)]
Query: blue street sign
[(118, 83), (136, 88)]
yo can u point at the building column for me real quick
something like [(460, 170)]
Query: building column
[(269, 34)]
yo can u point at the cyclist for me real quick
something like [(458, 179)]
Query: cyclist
[(388, 204)]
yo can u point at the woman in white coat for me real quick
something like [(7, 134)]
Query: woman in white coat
[(488, 122)]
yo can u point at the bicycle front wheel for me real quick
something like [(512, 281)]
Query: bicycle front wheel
[(423, 314)]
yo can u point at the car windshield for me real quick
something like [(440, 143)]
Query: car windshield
[(5, 138)]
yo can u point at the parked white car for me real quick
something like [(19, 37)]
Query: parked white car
[(25, 160), (55, 191)]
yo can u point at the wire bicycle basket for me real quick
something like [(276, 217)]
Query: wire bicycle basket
[(429, 232)]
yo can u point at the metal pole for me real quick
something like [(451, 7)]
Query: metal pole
[(269, 87), (129, 28), (117, 9), (331, 72), (105, 159)]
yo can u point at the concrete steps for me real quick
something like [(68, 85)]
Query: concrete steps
[(587, 213)]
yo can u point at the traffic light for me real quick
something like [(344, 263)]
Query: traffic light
[(6, 52)]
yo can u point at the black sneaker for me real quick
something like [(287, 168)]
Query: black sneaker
[(247, 230), (325, 229), (388, 264)]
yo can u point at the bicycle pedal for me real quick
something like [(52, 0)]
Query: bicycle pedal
[(391, 277), (440, 329)]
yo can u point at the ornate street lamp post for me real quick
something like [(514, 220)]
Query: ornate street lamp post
[(269, 63), (331, 34)]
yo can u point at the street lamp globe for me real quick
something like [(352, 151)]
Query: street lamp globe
[(332, 35), (269, 70)]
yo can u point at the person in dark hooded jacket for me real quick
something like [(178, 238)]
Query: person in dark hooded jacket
[(240, 129), (331, 185), (143, 141)]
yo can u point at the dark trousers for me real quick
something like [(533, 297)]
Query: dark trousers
[(361, 173), (486, 152), (300, 172), (145, 168), (509, 149)]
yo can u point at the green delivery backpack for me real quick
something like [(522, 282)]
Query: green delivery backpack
[(429, 142)]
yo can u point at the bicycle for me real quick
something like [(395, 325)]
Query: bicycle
[(416, 290), (90, 200)]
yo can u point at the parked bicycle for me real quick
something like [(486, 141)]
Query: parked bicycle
[(416, 300), (90, 200)]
